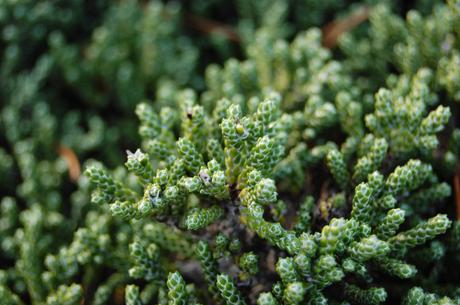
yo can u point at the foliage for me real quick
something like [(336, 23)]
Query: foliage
[(270, 169)]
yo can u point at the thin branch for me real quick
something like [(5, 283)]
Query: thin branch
[(210, 26), (333, 30), (457, 193)]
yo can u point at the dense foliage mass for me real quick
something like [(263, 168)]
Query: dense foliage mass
[(272, 165)]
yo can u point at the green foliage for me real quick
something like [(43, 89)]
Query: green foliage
[(366, 296), (177, 294), (338, 168), (132, 295), (270, 169), (249, 263), (228, 290), (66, 295), (418, 296), (421, 233), (209, 266)]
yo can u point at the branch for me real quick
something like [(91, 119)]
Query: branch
[(209, 26), (333, 30)]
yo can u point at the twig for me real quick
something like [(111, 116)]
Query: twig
[(72, 162), (333, 30), (119, 295), (209, 26), (457, 193)]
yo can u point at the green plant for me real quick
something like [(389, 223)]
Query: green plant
[(297, 175)]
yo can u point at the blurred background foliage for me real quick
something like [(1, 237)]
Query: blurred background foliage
[(72, 72)]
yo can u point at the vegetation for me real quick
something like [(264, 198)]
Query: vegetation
[(287, 152)]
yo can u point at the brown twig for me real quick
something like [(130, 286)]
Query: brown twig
[(119, 295), (457, 193), (333, 30), (72, 162), (210, 26)]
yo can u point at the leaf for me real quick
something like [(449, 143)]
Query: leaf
[(72, 162)]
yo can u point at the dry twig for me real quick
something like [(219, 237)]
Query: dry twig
[(209, 26), (333, 30), (72, 162), (457, 193)]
